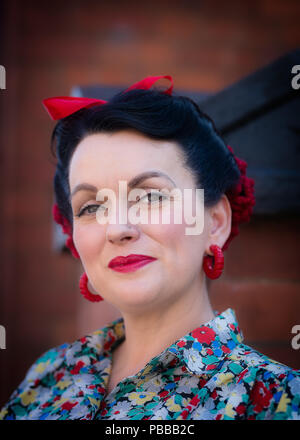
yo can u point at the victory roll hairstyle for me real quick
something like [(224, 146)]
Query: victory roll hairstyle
[(159, 116)]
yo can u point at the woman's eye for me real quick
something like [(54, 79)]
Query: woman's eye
[(87, 209), (153, 197)]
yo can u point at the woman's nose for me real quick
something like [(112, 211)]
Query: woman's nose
[(118, 229), (121, 233)]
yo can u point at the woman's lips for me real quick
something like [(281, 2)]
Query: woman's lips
[(130, 263)]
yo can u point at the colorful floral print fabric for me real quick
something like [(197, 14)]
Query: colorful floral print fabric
[(208, 374)]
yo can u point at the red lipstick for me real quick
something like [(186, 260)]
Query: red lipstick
[(130, 263)]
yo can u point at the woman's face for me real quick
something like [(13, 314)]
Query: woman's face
[(102, 160)]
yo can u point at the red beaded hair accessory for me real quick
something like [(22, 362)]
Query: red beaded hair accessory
[(241, 197)]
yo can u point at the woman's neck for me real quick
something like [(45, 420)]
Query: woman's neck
[(149, 334)]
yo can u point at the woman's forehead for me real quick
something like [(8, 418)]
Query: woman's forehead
[(123, 156), (126, 141)]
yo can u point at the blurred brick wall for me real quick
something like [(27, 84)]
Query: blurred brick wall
[(52, 46)]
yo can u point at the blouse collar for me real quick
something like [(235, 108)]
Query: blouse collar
[(88, 360), (201, 351)]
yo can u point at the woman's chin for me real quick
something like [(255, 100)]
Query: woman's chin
[(136, 294)]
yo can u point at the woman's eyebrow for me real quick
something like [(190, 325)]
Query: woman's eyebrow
[(133, 183)]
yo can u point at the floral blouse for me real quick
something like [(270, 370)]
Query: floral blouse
[(207, 374)]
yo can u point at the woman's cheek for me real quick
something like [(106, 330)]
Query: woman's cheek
[(166, 234), (88, 239)]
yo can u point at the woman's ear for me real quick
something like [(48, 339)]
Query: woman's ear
[(219, 222)]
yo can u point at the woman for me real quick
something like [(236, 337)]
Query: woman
[(170, 356)]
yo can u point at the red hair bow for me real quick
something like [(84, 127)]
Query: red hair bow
[(59, 107)]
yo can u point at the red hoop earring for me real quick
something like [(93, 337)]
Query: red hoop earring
[(84, 290), (215, 271)]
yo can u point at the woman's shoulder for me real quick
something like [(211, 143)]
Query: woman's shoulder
[(51, 369), (48, 361), (251, 358), (269, 383), (52, 358), (86, 346)]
